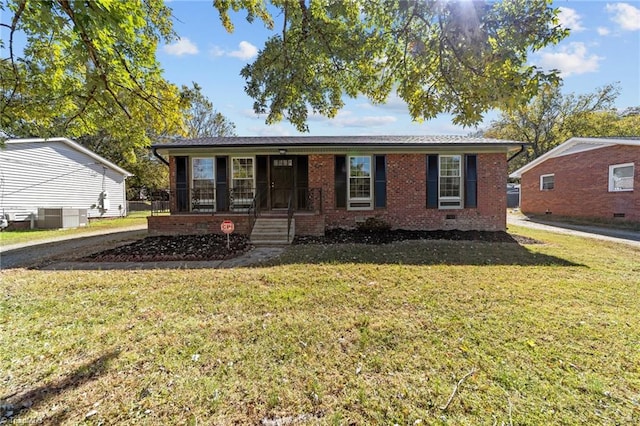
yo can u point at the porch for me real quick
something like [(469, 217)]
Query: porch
[(185, 211)]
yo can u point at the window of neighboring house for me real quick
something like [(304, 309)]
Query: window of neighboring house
[(547, 182), (203, 184), (359, 182), (621, 177), (242, 182), (450, 181)]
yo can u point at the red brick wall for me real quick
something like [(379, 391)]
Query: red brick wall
[(406, 201), (309, 224), (582, 185), (406, 196), (186, 224)]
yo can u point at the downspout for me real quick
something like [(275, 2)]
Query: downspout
[(161, 158), (522, 147)]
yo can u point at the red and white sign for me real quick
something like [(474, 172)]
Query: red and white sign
[(227, 227)]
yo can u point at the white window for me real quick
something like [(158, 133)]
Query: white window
[(450, 181), (360, 183), (203, 184), (547, 182), (242, 182), (621, 177)]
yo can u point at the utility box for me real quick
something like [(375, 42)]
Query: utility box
[(61, 217)]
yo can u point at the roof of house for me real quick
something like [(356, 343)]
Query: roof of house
[(76, 146), (574, 146), (327, 141)]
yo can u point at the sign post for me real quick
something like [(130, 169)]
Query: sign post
[(227, 227)]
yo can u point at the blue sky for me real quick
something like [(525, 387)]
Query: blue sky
[(604, 47)]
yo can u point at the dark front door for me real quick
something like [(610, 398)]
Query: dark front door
[(281, 181)]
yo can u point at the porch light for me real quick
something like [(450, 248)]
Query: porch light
[(282, 151)]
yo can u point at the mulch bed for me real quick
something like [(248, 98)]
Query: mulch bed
[(214, 246), (335, 236), (178, 247)]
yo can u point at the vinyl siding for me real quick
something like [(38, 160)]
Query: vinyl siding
[(53, 174)]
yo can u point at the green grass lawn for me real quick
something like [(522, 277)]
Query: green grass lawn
[(502, 333), (28, 235)]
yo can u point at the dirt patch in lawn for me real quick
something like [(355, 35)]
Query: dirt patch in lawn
[(214, 246)]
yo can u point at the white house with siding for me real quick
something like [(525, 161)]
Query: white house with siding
[(58, 173)]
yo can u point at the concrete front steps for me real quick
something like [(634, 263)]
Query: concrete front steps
[(268, 231)]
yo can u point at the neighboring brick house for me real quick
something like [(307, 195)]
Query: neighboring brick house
[(410, 182), (584, 177)]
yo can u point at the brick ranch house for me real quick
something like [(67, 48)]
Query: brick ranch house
[(410, 182), (584, 177)]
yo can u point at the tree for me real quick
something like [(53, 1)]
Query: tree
[(86, 67), (149, 174), (459, 57), (85, 62), (550, 118), (202, 120)]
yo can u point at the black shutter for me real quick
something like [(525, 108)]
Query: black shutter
[(380, 186), (221, 184), (471, 181), (341, 181), (432, 181), (182, 184)]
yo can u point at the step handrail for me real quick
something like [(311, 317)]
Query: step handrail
[(289, 215)]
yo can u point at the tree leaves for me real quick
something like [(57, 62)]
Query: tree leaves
[(551, 118), (441, 56), (87, 66)]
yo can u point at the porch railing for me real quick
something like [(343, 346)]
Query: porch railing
[(289, 214), (255, 208), (221, 199)]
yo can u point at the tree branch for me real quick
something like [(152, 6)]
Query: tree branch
[(14, 67), (93, 54), (455, 389)]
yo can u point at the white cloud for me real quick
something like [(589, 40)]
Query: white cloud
[(250, 113), (571, 59), (246, 51), (273, 130), (603, 31), (569, 18), (625, 15), (183, 46), (347, 119)]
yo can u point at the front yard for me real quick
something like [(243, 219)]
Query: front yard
[(417, 332)]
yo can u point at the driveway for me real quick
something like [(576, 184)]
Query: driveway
[(606, 234), (31, 254)]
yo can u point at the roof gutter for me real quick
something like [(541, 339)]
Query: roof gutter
[(522, 147), (158, 156)]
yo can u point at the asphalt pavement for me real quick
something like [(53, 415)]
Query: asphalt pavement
[(42, 252)]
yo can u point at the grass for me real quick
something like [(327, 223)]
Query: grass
[(28, 235), (334, 335)]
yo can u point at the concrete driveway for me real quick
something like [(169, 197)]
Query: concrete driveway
[(606, 234)]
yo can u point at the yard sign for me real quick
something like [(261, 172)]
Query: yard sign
[(227, 227)]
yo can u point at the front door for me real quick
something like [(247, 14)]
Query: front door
[(281, 181)]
